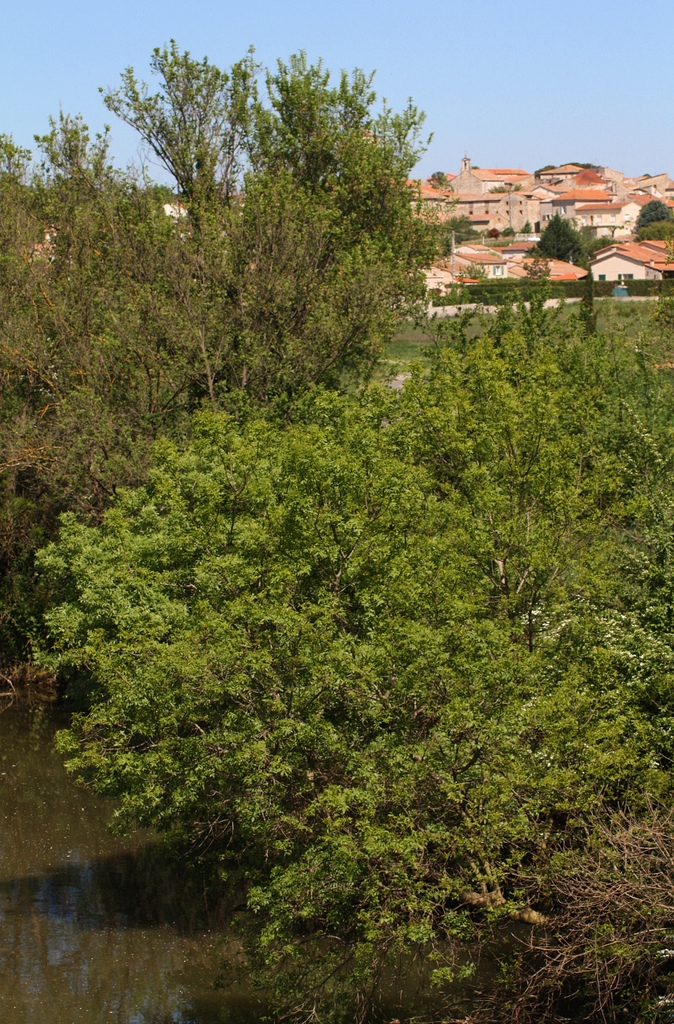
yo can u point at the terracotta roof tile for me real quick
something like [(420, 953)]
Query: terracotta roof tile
[(588, 177), (580, 194), (588, 207), (559, 270), (517, 247), (639, 197)]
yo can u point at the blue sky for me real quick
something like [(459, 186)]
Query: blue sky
[(513, 83)]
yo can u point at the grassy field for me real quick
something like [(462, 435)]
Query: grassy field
[(409, 344)]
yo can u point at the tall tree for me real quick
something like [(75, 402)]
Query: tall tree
[(587, 310), (117, 321), (653, 213), (561, 241), (300, 282), (199, 122)]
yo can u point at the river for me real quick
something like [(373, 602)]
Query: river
[(83, 937)]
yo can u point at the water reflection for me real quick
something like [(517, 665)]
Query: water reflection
[(89, 932)]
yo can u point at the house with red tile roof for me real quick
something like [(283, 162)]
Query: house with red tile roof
[(566, 204), (474, 262), (643, 198), (516, 250), (612, 220), (542, 191), (564, 175), (558, 270), (637, 261), (480, 180), (483, 263)]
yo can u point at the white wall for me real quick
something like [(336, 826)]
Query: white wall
[(611, 266)]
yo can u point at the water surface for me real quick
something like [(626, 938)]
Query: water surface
[(88, 931)]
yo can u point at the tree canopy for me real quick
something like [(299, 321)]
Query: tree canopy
[(661, 229), (284, 261), (200, 122), (560, 240), (439, 180), (653, 213)]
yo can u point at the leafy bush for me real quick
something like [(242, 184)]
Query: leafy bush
[(662, 230), (652, 213), (372, 663)]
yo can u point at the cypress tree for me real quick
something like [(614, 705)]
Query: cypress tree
[(587, 311)]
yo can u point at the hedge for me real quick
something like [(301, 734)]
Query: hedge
[(495, 293)]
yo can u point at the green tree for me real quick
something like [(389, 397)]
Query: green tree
[(661, 229), (198, 124), (587, 309), (653, 213), (117, 321), (439, 180), (463, 231), (593, 245), (560, 240), (14, 160), (295, 639)]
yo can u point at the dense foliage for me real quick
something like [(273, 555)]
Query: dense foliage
[(662, 230), (653, 213), (560, 241), (462, 229), (124, 309), (381, 665)]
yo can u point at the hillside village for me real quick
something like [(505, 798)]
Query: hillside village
[(505, 203)]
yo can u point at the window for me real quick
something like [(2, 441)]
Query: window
[(602, 277)]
